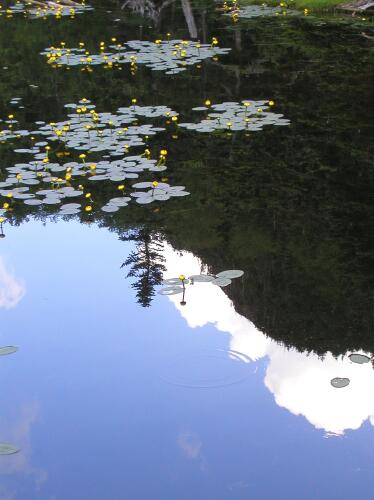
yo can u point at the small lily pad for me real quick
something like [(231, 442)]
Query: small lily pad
[(359, 358), (202, 278), (339, 382), (171, 290), (8, 449), (231, 274), (175, 281), (9, 349), (221, 282)]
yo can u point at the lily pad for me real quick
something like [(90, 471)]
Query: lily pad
[(175, 281), (10, 349), (171, 290), (202, 278), (359, 358), (221, 282), (8, 449), (231, 274), (339, 382)]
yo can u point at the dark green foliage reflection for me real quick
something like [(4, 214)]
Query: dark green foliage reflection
[(292, 206)]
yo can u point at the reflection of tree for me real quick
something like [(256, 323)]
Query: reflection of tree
[(147, 8), (152, 9), (146, 264)]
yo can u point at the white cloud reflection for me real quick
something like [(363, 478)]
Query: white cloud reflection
[(300, 382), (11, 289)]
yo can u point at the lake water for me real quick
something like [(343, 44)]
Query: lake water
[(118, 392)]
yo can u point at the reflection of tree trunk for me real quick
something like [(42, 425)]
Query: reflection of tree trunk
[(188, 14), (238, 39), (203, 26)]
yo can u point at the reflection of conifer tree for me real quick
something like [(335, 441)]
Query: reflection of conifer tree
[(146, 264)]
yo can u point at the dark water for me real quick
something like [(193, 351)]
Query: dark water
[(229, 395)]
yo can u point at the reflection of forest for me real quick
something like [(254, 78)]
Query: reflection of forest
[(290, 206)]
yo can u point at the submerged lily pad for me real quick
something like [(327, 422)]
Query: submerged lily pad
[(339, 382)]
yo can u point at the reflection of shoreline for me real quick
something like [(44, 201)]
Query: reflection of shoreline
[(12, 290), (300, 382)]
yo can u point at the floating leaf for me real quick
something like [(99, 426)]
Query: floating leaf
[(221, 282), (231, 274), (10, 349), (175, 281), (359, 358), (202, 278), (339, 382), (171, 290), (8, 449)]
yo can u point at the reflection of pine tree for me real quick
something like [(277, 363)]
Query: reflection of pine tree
[(146, 264)]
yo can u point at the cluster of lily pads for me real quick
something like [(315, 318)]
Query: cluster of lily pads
[(253, 11), (244, 115), (171, 56), (178, 285), (16, 102), (33, 11), (85, 129), (360, 359), (87, 132), (233, 9), (6, 448)]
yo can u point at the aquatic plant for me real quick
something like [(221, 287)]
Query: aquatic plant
[(8, 449), (9, 349), (339, 382), (178, 285), (235, 116), (170, 56), (253, 11), (357, 358), (107, 136), (34, 9)]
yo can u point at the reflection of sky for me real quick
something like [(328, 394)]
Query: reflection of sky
[(300, 382), (99, 421), (11, 289)]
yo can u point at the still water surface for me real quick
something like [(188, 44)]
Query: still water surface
[(228, 396)]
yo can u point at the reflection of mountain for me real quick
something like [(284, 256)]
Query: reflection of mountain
[(11, 289), (300, 382)]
